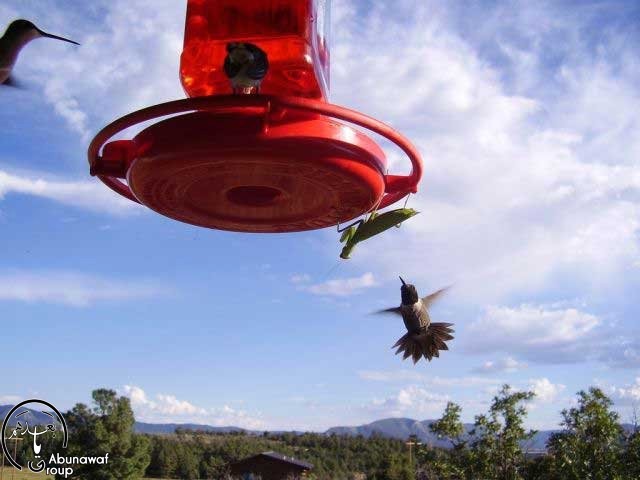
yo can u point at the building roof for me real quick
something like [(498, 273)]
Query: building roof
[(279, 457)]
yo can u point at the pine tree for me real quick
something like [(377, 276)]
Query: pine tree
[(107, 428), (631, 456)]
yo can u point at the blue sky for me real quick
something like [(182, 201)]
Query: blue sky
[(528, 118)]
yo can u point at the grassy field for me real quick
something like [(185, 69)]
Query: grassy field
[(7, 473), (10, 473)]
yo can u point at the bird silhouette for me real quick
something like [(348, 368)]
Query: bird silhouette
[(245, 65), (18, 34), (424, 338)]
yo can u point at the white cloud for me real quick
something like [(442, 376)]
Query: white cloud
[(504, 365), (624, 347), (170, 405), (529, 167), (530, 159), (72, 288), (136, 395), (167, 408), (539, 334), (629, 393), (412, 401), (550, 333), (523, 179), (90, 195), (341, 287), (134, 44), (545, 391), (164, 405)]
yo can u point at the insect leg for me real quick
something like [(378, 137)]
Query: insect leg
[(404, 206), (357, 222)]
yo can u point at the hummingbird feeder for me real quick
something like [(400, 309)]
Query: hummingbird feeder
[(272, 158)]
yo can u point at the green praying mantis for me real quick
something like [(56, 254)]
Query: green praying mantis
[(375, 224)]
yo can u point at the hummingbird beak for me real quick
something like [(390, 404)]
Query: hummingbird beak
[(401, 280), (49, 35)]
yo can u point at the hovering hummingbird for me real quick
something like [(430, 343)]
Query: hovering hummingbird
[(18, 34), (423, 337), (245, 65)]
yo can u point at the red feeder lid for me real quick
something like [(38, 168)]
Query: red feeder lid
[(252, 163)]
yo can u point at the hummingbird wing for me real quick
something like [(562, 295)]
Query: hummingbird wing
[(396, 310), (431, 298)]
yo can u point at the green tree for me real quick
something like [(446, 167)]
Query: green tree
[(496, 451), (107, 428), (213, 467), (188, 461), (590, 446), (448, 464), (395, 467), (631, 456), (450, 427), (164, 460), (539, 468)]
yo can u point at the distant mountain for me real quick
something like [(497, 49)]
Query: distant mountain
[(32, 417), (400, 428), (168, 428)]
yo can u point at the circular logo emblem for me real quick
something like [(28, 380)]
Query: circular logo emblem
[(22, 423)]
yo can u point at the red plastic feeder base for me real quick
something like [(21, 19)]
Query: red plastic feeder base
[(251, 164)]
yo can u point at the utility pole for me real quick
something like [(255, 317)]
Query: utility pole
[(410, 443), (15, 456)]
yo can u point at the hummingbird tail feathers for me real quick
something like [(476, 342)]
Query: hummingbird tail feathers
[(426, 343)]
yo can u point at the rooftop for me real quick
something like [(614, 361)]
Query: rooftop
[(280, 457)]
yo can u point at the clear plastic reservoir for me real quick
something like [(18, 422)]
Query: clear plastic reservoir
[(294, 33)]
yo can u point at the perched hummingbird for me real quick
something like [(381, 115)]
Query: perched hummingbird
[(245, 65), (423, 338), (18, 34)]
